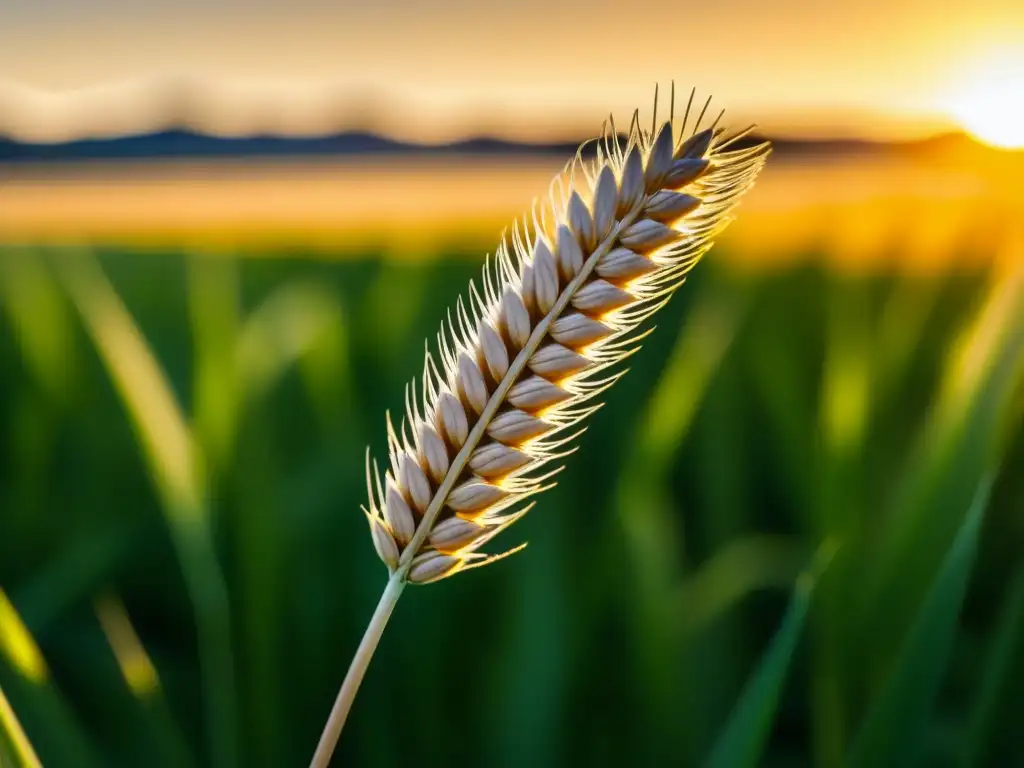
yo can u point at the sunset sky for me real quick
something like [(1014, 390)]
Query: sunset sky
[(526, 69)]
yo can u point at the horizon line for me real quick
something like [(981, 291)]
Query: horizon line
[(388, 139), (230, 109)]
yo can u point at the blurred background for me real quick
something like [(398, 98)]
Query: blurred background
[(792, 537)]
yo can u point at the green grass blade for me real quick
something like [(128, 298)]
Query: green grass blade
[(7, 756), (271, 340), (1007, 648), (279, 332), (743, 566), (214, 308), (160, 739), (892, 729), (643, 508), (160, 426), (30, 682), (173, 461), (84, 567), (742, 741), (12, 736), (41, 318), (962, 438), (650, 528)]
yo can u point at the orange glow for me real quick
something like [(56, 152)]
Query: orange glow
[(856, 209), (989, 103), (431, 72)]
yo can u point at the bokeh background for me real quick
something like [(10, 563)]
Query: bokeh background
[(792, 537)]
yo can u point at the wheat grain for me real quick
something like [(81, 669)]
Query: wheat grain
[(562, 301)]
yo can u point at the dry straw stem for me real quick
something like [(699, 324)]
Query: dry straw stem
[(526, 353)]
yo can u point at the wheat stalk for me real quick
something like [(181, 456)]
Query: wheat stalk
[(523, 357)]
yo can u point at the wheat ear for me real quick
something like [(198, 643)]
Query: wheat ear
[(522, 358)]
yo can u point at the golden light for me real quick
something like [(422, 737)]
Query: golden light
[(989, 102)]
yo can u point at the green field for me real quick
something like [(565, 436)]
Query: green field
[(792, 537)]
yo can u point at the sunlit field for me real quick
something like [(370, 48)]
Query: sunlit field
[(856, 207), (792, 537)]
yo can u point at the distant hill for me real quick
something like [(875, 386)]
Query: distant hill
[(185, 144)]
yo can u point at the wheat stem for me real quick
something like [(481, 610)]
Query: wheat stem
[(523, 354), (356, 671), (360, 662)]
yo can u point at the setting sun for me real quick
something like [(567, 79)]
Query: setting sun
[(990, 101)]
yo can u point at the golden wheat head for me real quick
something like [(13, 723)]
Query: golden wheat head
[(523, 357)]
